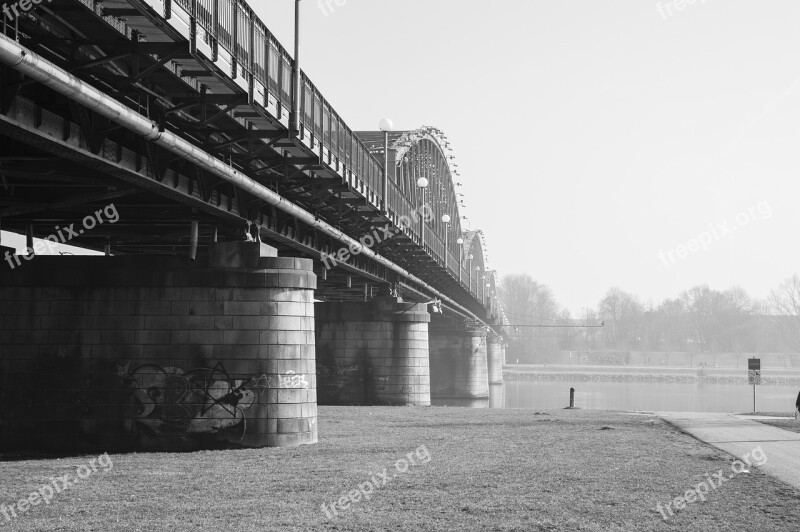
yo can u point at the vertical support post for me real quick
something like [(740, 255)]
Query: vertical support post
[(29, 240), (754, 398), (193, 28), (572, 397), (469, 268), (445, 246), (215, 25), (385, 186), (195, 231), (235, 40), (421, 211), (295, 118)]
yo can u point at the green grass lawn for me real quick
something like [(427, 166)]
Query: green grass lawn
[(488, 470)]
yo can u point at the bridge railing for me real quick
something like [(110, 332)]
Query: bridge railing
[(231, 29), (259, 58)]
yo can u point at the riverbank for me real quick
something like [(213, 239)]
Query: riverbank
[(486, 469), (685, 375)]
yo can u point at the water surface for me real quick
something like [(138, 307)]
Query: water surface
[(661, 396)]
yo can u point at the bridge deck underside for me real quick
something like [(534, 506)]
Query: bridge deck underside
[(59, 161)]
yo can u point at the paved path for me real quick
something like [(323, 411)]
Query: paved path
[(738, 435)]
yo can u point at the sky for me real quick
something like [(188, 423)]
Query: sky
[(600, 143)]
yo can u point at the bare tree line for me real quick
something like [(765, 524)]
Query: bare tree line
[(700, 319)]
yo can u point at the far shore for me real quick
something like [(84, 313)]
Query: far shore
[(708, 374)]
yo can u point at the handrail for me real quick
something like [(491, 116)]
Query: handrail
[(48, 74), (231, 28)]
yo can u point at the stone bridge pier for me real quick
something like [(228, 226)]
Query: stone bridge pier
[(373, 353), (156, 353), (495, 355), (459, 366)]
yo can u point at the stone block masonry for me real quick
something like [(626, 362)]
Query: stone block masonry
[(153, 353), (373, 353), (459, 366)]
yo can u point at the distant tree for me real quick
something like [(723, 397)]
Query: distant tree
[(622, 313), (568, 335), (784, 305), (672, 325), (528, 303), (718, 318)]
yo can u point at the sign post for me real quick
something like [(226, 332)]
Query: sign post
[(754, 376)]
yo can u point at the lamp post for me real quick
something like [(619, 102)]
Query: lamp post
[(422, 183), (295, 118), (477, 282), (460, 243), (469, 269), (445, 221), (386, 126)]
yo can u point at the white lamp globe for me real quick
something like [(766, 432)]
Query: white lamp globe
[(446, 218), (460, 241), (385, 124), (422, 182)]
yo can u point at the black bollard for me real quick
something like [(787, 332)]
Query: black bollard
[(572, 397)]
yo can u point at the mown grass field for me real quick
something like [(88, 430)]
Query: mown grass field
[(488, 470)]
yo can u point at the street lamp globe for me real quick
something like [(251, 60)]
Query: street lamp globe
[(422, 182), (446, 218), (385, 124), (460, 241)]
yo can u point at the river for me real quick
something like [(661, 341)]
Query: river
[(652, 396)]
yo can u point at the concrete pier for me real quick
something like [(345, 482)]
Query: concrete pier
[(459, 369), (373, 353), (155, 353), (495, 366)]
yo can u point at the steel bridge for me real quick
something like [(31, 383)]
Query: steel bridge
[(180, 112), (261, 257)]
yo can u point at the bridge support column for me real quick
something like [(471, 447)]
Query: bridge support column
[(373, 353), (152, 353), (494, 355), (459, 368)]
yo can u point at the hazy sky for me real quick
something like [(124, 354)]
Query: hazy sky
[(595, 137)]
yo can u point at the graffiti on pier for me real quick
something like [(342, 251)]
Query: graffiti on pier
[(171, 400), (290, 380)]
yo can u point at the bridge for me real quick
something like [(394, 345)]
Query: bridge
[(258, 257)]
